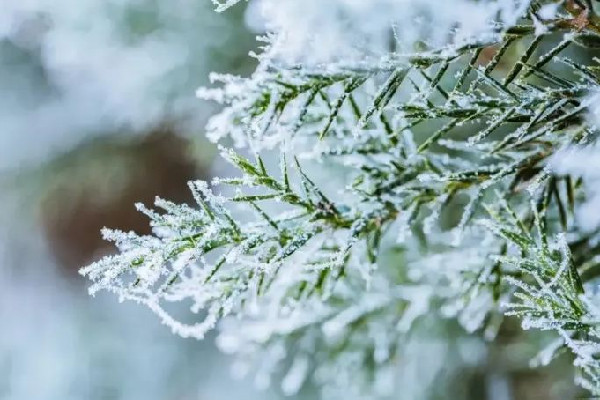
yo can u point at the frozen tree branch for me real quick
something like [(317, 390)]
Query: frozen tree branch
[(463, 127)]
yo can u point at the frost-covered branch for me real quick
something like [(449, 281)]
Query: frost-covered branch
[(550, 295), (203, 255), (424, 141)]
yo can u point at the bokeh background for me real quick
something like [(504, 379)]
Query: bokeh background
[(98, 112)]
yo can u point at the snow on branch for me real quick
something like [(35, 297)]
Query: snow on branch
[(446, 146)]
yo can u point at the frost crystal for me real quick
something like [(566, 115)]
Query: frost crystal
[(452, 149)]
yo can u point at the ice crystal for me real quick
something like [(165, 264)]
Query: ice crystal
[(447, 142)]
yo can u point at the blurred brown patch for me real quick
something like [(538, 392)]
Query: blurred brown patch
[(73, 214)]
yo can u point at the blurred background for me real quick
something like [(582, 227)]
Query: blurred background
[(98, 112)]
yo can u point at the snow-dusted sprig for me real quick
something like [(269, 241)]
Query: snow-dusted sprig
[(200, 253), (360, 115), (550, 291), (351, 343)]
